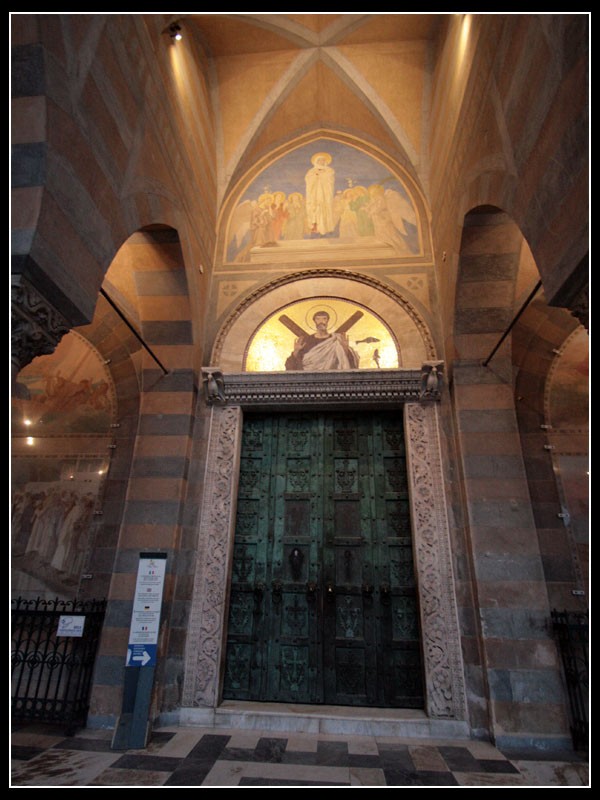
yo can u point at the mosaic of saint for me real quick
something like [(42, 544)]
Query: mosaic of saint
[(325, 194), (320, 334)]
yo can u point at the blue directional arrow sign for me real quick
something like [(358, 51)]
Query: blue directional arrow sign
[(141, 655)]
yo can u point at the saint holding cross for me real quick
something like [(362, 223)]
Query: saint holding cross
[(322, 350)]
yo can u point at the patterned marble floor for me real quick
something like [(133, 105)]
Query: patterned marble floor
[(214, 757)]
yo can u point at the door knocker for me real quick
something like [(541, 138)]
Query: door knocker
[(296, 559)]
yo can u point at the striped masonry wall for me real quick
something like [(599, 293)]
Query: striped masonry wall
[(94, 156), (526, 702), (548, 451)]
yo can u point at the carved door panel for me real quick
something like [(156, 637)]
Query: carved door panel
[(246, 661), (293, 648), (273, 645), (350, 625), (323, 599), (395, 586)]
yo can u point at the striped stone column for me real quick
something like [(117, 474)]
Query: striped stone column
[(157, 483), (525, 698)]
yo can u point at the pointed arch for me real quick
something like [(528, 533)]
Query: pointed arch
[(230, 207)]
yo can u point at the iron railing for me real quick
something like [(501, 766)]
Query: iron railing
[(571, 629), (52, 673)]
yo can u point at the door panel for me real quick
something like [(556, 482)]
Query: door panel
[(323, 605), (247, 660), (349, 643)]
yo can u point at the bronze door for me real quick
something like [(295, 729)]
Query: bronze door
[(323, 599)]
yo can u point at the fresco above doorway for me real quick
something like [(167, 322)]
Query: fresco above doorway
[(326, 198)]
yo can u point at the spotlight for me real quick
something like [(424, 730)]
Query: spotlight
[(175, 31)]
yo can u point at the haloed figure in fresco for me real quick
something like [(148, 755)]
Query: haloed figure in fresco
[(322, 350), (320, 184)]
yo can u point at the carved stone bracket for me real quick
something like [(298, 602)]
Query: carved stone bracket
[(36, 327), (214, 387), (432, 380), (444, 675), (381, 388)]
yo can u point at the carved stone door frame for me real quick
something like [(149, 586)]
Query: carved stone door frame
[(412, 394)]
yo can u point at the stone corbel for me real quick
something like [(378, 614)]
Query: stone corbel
[(432, 380), (214, 386)]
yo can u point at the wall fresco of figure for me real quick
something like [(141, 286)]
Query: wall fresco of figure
[(320, 334), (62, 412), (324, 194)]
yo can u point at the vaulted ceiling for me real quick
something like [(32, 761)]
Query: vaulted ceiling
[(277, 77)]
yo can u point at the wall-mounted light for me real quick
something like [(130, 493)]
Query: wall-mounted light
[(175, 31)]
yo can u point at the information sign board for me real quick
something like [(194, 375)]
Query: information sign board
[(145, 617)]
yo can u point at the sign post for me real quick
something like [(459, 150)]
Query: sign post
[(131, 733)]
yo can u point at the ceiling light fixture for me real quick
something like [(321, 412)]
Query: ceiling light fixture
[(175, 31)]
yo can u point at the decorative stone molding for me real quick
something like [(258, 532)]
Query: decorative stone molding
[(444, 676), (36, 327), (439, 621), (381, 388), (215, 543)]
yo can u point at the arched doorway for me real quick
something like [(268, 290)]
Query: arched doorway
[(333, 400)]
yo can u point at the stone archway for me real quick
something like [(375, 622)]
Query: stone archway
[(406, 323)]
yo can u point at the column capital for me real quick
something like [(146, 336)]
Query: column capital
[(36, 326)]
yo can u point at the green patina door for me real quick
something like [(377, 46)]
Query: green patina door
[(323, 602)]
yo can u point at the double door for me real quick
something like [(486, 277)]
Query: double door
[(323, 604)]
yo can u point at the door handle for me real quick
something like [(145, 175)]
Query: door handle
[(367, 590), (330, 591), (259, 591), (311, 590), (385, 594)]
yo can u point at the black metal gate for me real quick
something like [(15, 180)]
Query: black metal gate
[(571, 629), (51, 666)]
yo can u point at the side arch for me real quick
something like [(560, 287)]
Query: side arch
[(507, 558)]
